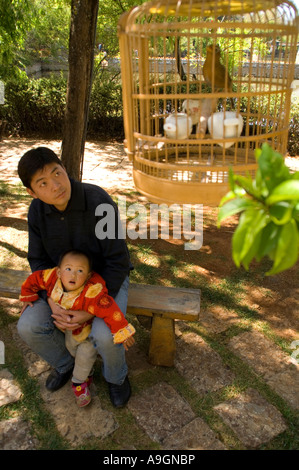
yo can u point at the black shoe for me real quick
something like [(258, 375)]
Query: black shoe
[(56, 380), (120, 394)]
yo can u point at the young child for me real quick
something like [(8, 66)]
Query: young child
[(74, 286)]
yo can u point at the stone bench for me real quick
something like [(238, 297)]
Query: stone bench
[(162, 304)]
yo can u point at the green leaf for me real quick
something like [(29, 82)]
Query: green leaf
[(232, 207), (244, 242), (239, 237), (231, 179), (286, 191), (281, 212), (259, 221), (248, 185), (228, 196), (296, 212), (252, 252), (286, 253), (259, 184), (272, 167), (268, 242)]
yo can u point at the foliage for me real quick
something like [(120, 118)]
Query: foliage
[(14, 21), (269, 207), (30, 31), (34, 106), (50, 35), (108, 17), (293, 137), (105, 109)]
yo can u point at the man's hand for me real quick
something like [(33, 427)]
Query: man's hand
[(67, 319)]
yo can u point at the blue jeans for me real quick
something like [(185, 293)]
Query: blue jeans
[(36, 328)]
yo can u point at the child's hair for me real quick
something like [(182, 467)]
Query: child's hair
[(75, 252), (34, 160)]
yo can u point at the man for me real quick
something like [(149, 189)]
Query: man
[(62, 217)]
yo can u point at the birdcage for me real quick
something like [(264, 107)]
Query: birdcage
[(205, 83)]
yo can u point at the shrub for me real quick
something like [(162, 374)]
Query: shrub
[(293, 140), (34, 106), (106, 109)]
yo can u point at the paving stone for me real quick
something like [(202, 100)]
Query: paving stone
[(15, 434), (269, 361), (259, 352), (286, 385), (200, 365), (196, 435), (160, 411), (252, 418), (10, 392), (74, 423)]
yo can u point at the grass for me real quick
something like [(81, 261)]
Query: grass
[(163, 262)]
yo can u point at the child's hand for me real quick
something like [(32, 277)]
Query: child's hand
[(25, 305), (128, 343)]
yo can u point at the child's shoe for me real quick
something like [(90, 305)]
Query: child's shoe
[(82, 394)]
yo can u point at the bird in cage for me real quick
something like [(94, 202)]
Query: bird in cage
[(200, 111), (215, 73)]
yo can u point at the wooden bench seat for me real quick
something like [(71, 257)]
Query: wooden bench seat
[(163, 304)]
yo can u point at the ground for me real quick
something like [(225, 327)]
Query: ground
[(254, 315), (275, 299)]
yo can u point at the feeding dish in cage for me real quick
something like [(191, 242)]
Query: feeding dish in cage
[(225, 125), (178, 126), (164, 47), (200, 111)]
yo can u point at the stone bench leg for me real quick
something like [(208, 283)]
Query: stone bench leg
[(162, 343)]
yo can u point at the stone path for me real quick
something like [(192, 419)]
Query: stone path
[(160, 411)]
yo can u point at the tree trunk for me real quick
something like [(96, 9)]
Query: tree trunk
[(81, 53)]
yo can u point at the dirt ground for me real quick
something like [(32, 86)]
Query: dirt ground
[(251, 314), (105, 163)]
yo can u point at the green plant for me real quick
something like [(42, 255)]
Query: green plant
[(269, 206), (293, 141), (34, 106), (37, 106)]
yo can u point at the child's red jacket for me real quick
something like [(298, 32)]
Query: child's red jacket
[(92, 297)]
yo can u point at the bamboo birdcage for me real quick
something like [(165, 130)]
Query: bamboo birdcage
[(164, 46)]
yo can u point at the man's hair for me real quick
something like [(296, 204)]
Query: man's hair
[(75, 252), (34, 160)]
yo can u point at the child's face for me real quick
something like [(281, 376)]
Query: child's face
[(52, 186), (73, 271)]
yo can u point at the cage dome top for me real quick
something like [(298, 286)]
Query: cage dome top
[(210, 7)]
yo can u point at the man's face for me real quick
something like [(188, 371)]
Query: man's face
[(52, 186)]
